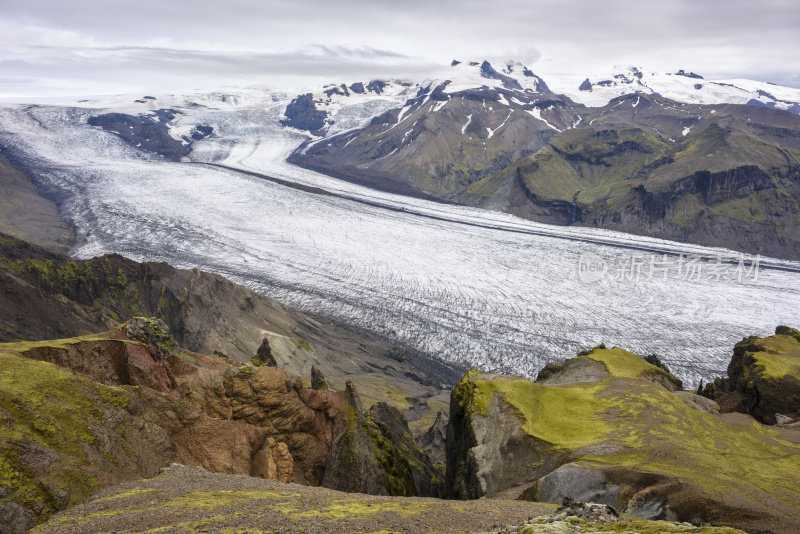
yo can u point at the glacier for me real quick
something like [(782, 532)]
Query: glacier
[(464, 285)]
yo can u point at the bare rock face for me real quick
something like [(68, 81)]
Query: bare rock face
[(228, 418), (273, 461), (574, 481), (487, 450), (572, 371), (433, 442), (112, 361), (763, 378)]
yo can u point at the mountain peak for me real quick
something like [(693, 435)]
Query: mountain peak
[(512, 75)]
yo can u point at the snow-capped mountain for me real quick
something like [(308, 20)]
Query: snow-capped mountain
[(682, 86), (318, 113), (513, 75), (641, 163)]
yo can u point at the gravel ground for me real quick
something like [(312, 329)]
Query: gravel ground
[(189, 499)]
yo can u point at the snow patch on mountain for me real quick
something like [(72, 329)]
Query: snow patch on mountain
[(689, 88)]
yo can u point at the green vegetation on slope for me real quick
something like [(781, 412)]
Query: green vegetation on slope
[(779, 356), (55, 413), (644, 425)]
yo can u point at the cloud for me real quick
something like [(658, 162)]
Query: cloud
[(101, 45), (113, 69)]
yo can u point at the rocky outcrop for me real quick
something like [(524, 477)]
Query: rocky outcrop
[(317, 380), (264, 355), (181, 406), (609, 427), (398, 452), (144, 132), (488, 452), (301, 113), (108, 361), (763, 378), (434, 439), (350, 464), (63, 436)]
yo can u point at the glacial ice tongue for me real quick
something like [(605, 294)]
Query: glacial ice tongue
[(476, 287)]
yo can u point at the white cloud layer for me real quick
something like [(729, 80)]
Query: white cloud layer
[(93, 46)]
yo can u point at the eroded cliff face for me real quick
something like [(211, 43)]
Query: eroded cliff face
[(610, 428), (63, 436), (86, 412)]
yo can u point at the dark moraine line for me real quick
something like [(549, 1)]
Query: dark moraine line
[(764, 263)]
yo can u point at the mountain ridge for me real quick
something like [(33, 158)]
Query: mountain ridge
[(475, 146)]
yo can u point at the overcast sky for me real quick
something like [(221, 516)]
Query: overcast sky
[(57, 47)]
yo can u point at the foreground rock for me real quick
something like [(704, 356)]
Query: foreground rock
[(98, 409), (611, 429), (186, 499), (63, 436), (763, 378)]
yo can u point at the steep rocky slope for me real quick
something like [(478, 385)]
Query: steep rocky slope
[(119, 405), (45, 295), (608, 427), (62, 436), (25, 214), (722, 175)]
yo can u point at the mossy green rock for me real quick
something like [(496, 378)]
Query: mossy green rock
[(399, 454), (763, 378), (63, 436), (648, 449)]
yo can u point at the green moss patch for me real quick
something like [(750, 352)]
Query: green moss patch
[(780, 356), (57, 411), (209, 500), (646, 426), (359, 508)]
